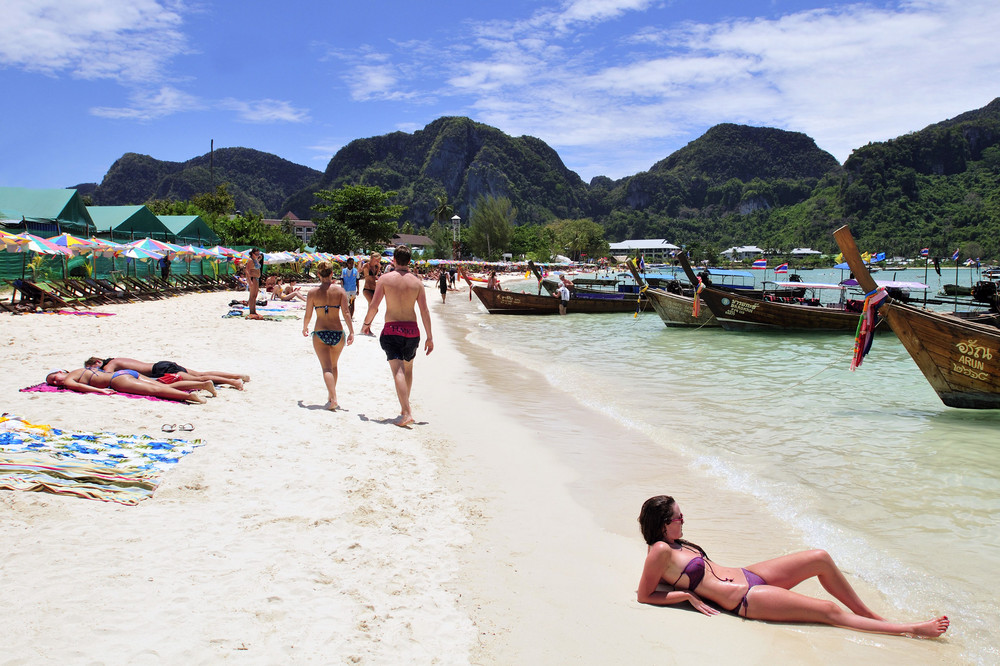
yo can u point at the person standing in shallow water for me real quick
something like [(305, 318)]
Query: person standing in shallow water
[(443, 284), (400, 337), (329, 302), (761, 591)]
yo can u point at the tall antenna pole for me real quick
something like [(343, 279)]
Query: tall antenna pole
[(211, 164)]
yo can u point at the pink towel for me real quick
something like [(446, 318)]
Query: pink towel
[(45, 388)]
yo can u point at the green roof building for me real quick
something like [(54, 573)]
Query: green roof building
[(45, 212), (189, 230), (127, 223)]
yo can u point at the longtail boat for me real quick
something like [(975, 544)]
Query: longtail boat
[(736, 312), (513, 302), (960, 359), (676, 310)]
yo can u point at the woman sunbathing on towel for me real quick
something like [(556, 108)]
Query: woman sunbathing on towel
[(95, 380), (167, 372), (761, 591)]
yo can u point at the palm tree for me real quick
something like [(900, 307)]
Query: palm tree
[(443, 210)]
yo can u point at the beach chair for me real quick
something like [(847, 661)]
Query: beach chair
[(116, 287), (34, 295), (74, 288), (140, 289), (106, 289)]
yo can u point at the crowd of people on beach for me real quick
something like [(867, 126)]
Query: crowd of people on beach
[(675, 570)]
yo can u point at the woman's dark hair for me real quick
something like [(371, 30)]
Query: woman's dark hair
[(654, 513), (93, 360)]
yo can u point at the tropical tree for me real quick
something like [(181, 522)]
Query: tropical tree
[(580, 237), (442, 236), (355, 216), (249, 229), (442, 211), (219, 203), (491, 225), (533, 242)]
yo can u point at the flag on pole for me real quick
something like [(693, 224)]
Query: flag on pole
[(642, 262), (925, 252), (954, 257), (782, 268), (760, 263)]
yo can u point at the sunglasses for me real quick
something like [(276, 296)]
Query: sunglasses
[(671, 520)]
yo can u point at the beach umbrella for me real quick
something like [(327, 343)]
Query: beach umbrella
[(12, 242), (72, 243), (141, 254), (151, 245)]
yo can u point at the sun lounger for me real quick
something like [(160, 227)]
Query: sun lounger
[(36, 295)]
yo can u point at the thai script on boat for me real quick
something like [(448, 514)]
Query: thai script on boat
[(741, 307), (974, 349), (970, 363), (506, 299)]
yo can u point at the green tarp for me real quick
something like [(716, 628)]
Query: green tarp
[(189, 230), (46, 212), (125, 223)]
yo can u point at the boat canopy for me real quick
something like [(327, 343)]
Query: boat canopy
[(913, 286), (805, 285)]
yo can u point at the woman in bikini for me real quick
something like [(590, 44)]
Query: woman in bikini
[(328, 301), (761, 591), (95, 380), (370, 272), (254, 262)]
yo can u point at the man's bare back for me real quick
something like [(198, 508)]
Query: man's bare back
[(401, 290)]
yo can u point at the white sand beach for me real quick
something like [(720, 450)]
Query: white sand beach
[(299, 535)]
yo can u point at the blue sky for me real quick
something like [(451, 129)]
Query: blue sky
[(612, 85)]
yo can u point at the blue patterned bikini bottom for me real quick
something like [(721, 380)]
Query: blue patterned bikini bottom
[(331, 338)]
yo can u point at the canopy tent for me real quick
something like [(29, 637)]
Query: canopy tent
[(46, 212), (127, 222), (189, 229)]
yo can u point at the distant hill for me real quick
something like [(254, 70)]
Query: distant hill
[(258, 181), (460, 159), (735, 184)]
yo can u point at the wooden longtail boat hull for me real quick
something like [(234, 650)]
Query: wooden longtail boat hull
[(960, 359), (738, 313), (677, 310), (512, 302)]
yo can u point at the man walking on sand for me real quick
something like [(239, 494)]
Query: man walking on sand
[(401, 335)]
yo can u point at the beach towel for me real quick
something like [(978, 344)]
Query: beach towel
[(45, 388), (78, 312), (105, 466), (241, 314)]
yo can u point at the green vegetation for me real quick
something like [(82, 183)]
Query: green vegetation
[(490, 227), (938, 187), (357, 216)]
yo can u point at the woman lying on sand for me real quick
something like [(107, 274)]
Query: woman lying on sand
[(167, 369), (761, 591), (95, 380), (329, 302)]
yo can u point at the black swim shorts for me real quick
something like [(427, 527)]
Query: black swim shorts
[(161, 368), (399, 340)]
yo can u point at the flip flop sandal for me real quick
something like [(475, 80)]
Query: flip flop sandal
[(186, 427), (169, 427)]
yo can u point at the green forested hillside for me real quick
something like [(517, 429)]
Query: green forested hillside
[(258, 181), (938, 187), (462, 160)]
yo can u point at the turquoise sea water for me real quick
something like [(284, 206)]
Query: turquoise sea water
[(869, 464)]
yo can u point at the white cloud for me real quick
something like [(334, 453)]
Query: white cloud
[(151, 104), (266, 111), (845, 76), (125, 40)]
